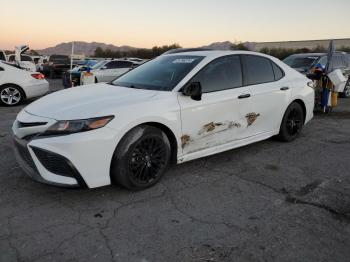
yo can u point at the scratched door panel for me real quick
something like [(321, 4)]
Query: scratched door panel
[(268, 106), (215, 120)]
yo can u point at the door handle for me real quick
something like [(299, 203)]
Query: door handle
[(285, 88), (243, 96)]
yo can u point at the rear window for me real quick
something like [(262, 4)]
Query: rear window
[(258, 70)]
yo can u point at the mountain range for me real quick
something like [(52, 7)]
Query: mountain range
[(88, 49), (81, 48)]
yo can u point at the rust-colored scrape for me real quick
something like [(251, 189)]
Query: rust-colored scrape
[(234, 125), (210, 127), (251, 118), (185, 139)]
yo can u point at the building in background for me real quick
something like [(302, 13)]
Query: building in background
[(309, 44)]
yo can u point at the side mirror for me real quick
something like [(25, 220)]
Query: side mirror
[(194, 90), (104, 68)]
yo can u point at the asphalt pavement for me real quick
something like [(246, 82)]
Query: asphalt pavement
[(269, 201)]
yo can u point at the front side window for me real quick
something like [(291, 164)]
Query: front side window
[(258, 70), (221, 74), (162, 73)]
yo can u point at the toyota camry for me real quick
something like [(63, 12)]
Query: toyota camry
[(183, 105)]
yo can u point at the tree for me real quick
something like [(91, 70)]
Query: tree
[(239, 46)]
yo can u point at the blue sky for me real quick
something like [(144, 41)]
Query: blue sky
[(145, 23)]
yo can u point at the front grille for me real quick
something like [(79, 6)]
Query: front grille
[(22, 124), (24, 153), (55, 163)]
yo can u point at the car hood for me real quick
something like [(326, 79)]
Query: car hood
[(87, 101)]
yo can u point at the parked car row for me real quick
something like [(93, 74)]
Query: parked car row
[(104, 70)]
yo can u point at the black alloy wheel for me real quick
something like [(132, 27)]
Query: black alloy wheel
[(147, 160), (292, 123), (141, 158)]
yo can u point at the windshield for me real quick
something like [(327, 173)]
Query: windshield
[(162, 73), (300, 62)]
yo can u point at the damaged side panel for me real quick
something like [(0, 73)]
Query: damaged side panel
[(211, 134), (216, 133)]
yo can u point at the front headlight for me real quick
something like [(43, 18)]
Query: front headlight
[(66, 127)]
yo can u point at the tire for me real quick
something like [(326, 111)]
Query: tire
[(11, 95), (96, 81), (346, 93), (292, 123), (141, 158)]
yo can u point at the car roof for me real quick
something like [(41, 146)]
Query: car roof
[(309, 54), (215, 53)]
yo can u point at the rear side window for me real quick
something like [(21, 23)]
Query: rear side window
[(258, 70), (221, 74), (277, 71)]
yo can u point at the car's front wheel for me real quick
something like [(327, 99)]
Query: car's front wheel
[(292, 123), (141, 158), (11, 95)]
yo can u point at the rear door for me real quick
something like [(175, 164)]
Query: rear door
[(270, 94)]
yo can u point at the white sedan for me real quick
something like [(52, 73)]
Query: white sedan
[(109, 70), (17, 85), (178, 107)]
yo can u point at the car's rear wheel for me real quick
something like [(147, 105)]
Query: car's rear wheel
[(141, 158), (11, 95), (292, 123)]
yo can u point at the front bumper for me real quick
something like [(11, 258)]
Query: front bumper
[(76, 160), (31, 164)]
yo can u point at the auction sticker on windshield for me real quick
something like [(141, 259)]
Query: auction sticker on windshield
[(183, 61)]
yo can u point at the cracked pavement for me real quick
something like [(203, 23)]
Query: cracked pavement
[(268, 201)]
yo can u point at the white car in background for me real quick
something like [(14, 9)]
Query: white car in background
[(17, 85), (27, 63), (178, 107), (108, 70)]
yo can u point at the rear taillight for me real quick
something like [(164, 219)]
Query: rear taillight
[(38, 76)]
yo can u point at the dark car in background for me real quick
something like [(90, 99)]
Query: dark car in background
[(306, 62), (56, 66), (303, 62)]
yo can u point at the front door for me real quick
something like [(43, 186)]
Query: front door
[(219, 117)]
